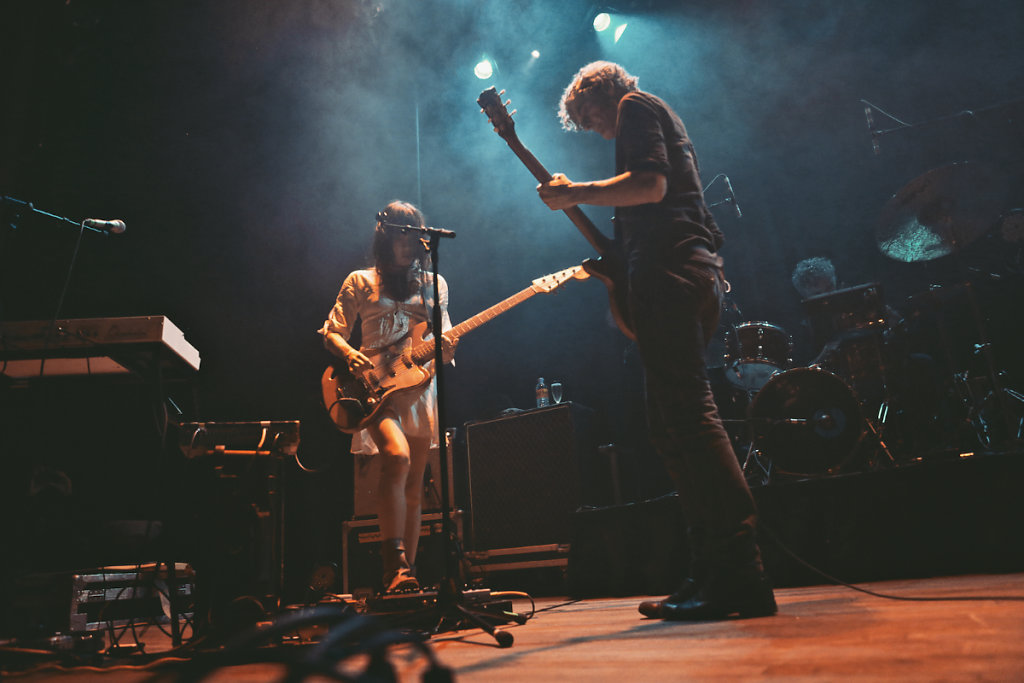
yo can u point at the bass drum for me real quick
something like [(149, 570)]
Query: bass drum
[(807, 422)]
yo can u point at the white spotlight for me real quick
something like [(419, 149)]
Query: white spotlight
[(535, 54), (619, 31), (602, 21), (483, 69)]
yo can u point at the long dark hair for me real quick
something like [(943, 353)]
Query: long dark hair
[(397, 284)]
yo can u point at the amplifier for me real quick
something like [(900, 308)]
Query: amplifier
[(360, 553), (264, 437), (527, 474), (129, 593), (94, 599)]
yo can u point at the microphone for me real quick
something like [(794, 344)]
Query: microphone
[(425, 230), (115, 227), (874, 134), (732, 197)]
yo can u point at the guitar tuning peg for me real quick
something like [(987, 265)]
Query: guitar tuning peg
[(513, 112), (501, 93)]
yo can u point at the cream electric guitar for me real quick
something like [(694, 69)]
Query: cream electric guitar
[(353, 400)]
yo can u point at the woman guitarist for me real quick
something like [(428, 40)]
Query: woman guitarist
[(388, 300)]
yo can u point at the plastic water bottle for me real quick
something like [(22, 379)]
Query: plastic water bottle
[(543, 393)]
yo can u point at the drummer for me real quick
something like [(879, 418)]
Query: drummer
[(849, 325), (868, 360), (811, 277), (814, 276)]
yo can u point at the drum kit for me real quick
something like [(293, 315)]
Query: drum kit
[(879, 366)]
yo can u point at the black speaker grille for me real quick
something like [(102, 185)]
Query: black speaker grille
[(524, 475)]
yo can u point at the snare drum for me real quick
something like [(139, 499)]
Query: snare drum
[(754, 352)]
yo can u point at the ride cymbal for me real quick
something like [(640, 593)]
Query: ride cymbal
[(941, 212)]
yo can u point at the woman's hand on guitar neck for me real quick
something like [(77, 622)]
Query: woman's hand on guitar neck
[(448, 348)]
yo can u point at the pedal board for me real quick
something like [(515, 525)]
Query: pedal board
[(415, 600)]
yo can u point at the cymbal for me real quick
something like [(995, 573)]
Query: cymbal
[(941, 212)]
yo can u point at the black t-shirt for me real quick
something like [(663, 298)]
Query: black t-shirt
[(649, 136)]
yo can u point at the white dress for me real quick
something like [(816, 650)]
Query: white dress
[(385, 322)]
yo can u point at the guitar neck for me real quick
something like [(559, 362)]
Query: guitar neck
[(597, 239), (424, 351)]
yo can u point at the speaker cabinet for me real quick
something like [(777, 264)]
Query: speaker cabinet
[(527, 474)]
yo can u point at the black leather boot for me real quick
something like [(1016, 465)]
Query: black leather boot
[(653, 609), (398, 576), (696, 539), (747, 597), (735, 584)]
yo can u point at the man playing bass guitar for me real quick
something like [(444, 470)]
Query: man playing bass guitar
[(675, 285)]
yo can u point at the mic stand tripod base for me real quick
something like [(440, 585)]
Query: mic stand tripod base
[(451, 603)]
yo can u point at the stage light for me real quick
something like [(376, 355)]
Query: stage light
[(535, 54), (619, 31), (483, 69), (602, 21)]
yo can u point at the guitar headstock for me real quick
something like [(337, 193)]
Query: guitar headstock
[(550, 283), (498, 113)]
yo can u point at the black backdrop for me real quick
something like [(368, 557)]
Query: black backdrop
[(248, 146)]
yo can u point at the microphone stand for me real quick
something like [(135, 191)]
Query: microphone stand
[(31, 207), (450, 599), (82, 227), (967, 114)]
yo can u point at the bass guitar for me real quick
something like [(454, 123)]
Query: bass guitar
[(609, 268), (353, 400)]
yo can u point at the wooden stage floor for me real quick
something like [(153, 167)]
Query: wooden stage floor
[(822, 633)]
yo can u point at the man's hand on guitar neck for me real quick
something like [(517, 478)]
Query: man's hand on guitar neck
[(626, 189), (558, 192)]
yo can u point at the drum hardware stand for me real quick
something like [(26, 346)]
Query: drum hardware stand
[(872, 427), (989, 384), (754, 458), (1005, 398)]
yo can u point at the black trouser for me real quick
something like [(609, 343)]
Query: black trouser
[(675, 298)]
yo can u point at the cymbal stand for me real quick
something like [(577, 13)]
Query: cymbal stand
[(976, 392), (1006, 399)]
